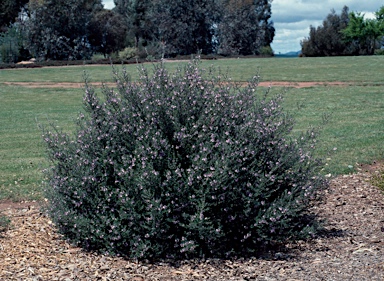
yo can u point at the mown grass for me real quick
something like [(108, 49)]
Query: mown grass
[(22, 151), (367, 70), (354, 133)]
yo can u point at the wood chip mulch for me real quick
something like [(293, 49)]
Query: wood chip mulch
[(352, 248)]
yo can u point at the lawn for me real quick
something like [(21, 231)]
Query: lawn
[(22, 150), (363, 70), (353, 135)]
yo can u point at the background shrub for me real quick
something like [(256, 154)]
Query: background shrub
[(266, 51), (181, 164), (127, 53)]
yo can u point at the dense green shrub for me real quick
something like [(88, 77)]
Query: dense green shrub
[(177, 165), (128, 53), (266, 51)]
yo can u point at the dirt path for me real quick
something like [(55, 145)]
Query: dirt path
[(261, 84)]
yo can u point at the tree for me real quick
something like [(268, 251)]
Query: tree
[(107, 32), (138, 20), (238, 33), (364, 32), (380, 18), (59, 29), (186, 27), (245, 27), (327, 40), (347, 34), (9, 10), (264, 14), (12, 45)]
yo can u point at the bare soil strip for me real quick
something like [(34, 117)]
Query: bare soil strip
[(110, 84)]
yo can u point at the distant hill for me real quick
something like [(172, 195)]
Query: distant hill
[(289, 54)]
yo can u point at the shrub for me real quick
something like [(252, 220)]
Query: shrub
[(150, 50), (266, 51), (127, 53), (182, 164)]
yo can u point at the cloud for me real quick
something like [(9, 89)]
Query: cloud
[(289, 11), (289, 35), (295, 10), (108, 4)]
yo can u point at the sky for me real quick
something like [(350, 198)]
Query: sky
[(292, 18)]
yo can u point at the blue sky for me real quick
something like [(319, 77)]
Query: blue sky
[(292, 18)]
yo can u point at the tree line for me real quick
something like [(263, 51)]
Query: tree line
[(76, 29), (347, 33)]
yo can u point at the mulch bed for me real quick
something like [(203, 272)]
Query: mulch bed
[(351, 249)]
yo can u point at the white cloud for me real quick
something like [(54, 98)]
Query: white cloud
[(292, 18), (289, 35), (108, 4)]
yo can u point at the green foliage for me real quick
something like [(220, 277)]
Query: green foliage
[(58, 30), (266, 51), (245, 28), (364, 32), (181, 164), (264, 14), (128, 53), (107, 32), (139, 18), (185, 27), (9, 10), (151, 51), (190, 27), (9, 48), (326, 40), (380, 15), (73, 30), (347, 34), (379, 52), (239, 31), (11, 45)]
